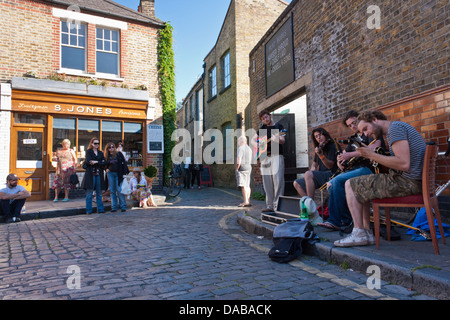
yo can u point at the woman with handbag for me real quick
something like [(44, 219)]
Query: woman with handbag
[(93, 177), (116, 169), (66, 166)]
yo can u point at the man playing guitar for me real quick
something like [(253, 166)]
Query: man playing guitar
[(407, 151), (351, 165), (272, 160)]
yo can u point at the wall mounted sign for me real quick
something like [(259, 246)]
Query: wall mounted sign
[(155, 138), (279, 59), (64, 108)]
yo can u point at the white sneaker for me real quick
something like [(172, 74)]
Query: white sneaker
[(358, 237), (370, 237)]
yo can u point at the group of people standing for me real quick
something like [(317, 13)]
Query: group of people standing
[(105, 171), (191, 173)]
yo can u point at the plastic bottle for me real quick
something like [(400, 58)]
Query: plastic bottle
[(303, 212)]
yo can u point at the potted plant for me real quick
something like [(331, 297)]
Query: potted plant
[(150, 174)]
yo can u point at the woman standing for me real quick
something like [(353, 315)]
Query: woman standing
[(116, 169), (93, 177), (66, 166)]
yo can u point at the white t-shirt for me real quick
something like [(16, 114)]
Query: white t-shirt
[(134, 183), (14, 190), (244, 153), (187, 162)]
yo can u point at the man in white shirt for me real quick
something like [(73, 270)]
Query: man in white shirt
[(13, 198), (244, 169)]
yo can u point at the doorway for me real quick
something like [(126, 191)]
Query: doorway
[(293, 117), (27, 159)]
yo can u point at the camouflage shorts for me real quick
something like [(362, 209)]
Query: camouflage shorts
[(380, 186)]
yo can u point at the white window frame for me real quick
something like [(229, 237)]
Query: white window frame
[(212, 76), (61, 45), (84, 18), (102, 74), (226, 70)]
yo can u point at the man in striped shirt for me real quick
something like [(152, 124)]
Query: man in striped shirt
[(405, 163)]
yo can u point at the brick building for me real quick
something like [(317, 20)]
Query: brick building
[(76, 69), (333, 55), (225, 79)]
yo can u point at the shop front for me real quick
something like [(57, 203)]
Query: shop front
[(40, 121)]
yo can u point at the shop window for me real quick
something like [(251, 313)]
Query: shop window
[(132, 143), (29, 118), (81, 131), (107, 51), (87, 129), (63, 129), (73, 46), (111, 132)]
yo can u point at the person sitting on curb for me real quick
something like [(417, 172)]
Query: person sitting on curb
[(13, 198)]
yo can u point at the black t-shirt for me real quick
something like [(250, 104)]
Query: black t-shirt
[(330, 152), (266, 132)]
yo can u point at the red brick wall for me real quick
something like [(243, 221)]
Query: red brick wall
[(400, 69), (428, 112), (30, 41)]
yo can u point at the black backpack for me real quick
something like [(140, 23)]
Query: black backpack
[(289, 239)]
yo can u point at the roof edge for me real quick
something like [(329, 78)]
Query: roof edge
[(145, 19)]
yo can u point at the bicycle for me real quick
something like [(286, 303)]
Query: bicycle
[(172, 186)]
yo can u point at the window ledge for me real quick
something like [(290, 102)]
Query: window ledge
[(73, 72), (212, 98), (225, 89)]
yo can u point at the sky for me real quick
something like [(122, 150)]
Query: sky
[(196, 25)]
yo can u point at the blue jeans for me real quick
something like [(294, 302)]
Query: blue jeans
[(113, 181), (337, 203), (12, 208), (98, 195)]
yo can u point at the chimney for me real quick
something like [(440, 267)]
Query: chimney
[(147, 7)]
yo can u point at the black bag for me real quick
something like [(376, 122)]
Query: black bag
[(286, 249), (74, 179), (288, 239)]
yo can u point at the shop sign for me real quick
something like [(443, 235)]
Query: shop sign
[(155, 138), (29, 141), (279, 59), (77, 109)]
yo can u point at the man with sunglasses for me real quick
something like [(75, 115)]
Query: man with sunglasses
[(13, 198)]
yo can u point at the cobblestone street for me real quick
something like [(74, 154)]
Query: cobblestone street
[(191, 249)]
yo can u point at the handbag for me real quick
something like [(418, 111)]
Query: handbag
[(125, 187), (74, 179)]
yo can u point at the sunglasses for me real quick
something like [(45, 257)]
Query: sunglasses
[(96, 143), (111, 147)]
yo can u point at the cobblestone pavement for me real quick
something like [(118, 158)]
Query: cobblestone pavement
[(191, 249)]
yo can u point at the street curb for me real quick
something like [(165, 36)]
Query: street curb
[(68, 212), (428, 281)]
